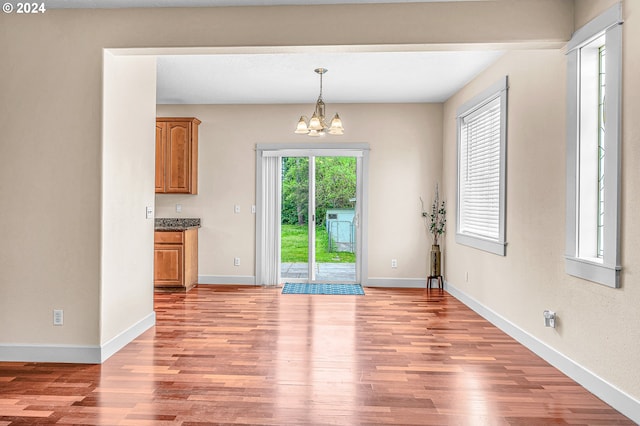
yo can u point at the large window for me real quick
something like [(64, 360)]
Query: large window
[(482, 136), (593, 149)]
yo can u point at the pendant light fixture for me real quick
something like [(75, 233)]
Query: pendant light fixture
[(317, 125)]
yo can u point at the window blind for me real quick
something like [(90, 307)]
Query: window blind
[(480, 171)]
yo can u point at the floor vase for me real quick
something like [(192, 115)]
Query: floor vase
[(435, 269)]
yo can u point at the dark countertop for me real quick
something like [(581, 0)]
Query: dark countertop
[(176, 223)]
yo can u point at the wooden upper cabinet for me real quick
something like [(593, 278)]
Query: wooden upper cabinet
[(177, 155)]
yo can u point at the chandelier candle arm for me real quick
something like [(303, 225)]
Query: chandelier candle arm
[(317, 125)]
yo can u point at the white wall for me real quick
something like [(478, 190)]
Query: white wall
[(405, 142)]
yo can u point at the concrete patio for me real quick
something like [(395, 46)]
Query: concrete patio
[(329, 272)]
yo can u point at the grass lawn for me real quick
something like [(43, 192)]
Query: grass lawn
[(295, 246)]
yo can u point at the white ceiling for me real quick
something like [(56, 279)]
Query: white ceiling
[(360, 77), (272, 78)]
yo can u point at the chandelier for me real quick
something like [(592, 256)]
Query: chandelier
[(317, 125)]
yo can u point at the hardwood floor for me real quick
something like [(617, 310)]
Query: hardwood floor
[(250, 355)]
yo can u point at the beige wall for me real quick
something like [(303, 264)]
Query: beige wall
[(51, 163), (128, 167), (597, 324), (51, 121), (586, 10), (404, 166)]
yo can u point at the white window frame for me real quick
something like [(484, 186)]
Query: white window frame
[(498, 245), (578, 261)]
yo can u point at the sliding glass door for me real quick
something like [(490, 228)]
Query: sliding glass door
[(295, 220), (320, 218)]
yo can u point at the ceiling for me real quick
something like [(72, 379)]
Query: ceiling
[(361, 77), (276, 78), (110, 4)]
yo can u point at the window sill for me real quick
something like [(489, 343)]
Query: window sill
[(596, 272), (490, 246)]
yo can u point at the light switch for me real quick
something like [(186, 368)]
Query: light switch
[(149, 212), (236, 208), (58, 317)]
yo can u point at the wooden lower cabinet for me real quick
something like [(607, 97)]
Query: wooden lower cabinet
[(176, 259)]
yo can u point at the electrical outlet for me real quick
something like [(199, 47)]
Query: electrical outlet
[(549, 319), (236, 261), (58, 317), (178, 208), (394, 263)]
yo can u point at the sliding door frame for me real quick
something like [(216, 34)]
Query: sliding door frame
[(311, 223), (263, 228)]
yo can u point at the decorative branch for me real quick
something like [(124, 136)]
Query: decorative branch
[(437, 217)]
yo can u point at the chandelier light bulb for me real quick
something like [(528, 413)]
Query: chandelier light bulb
[(336, 126), (314, 123), (302, 128)]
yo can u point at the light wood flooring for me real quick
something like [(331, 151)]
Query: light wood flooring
[(250, 355)]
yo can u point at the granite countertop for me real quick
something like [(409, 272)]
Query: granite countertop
[(176, 223)]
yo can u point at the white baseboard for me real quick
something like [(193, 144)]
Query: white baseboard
[(396, 282), (227, 279), (50, 353), (370, 282), (127, 336), (604, 390), (76, 354)]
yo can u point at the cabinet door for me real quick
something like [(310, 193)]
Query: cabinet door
[(161, 134), (168, 265), (178, 167)]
